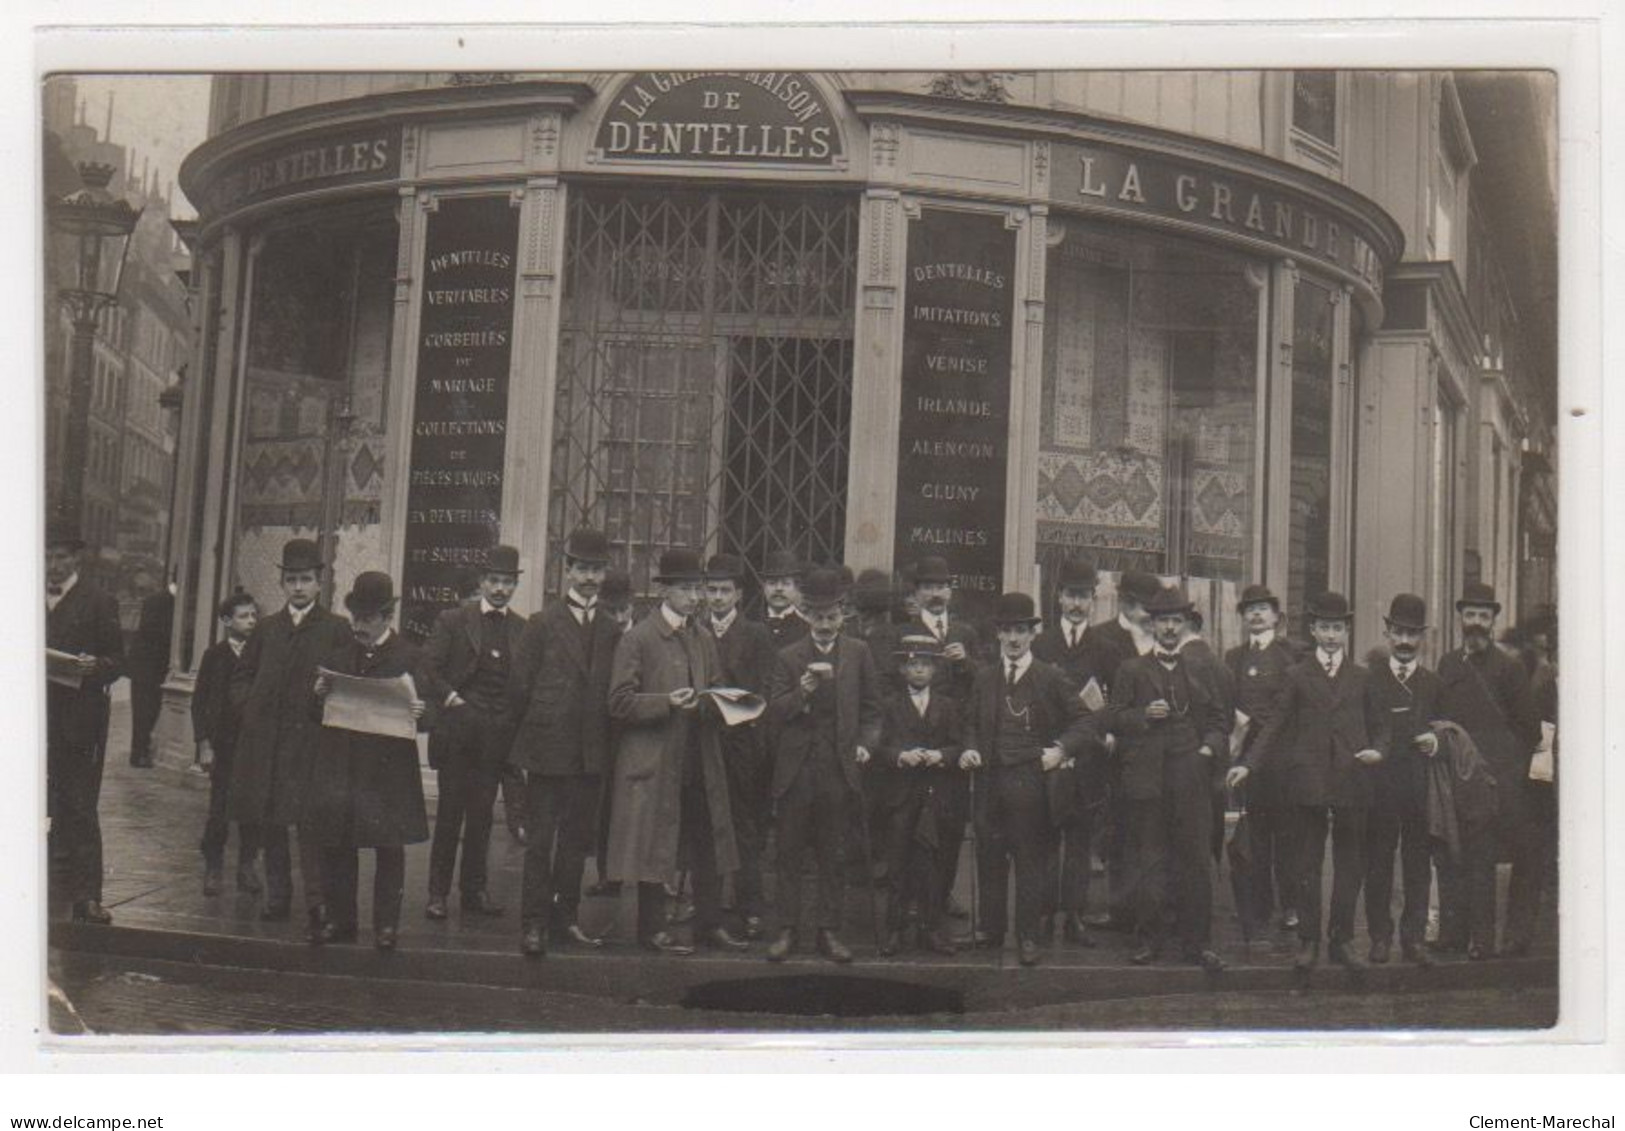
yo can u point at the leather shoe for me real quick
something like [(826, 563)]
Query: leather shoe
[(890, 944), (278, 911), (384, 938), (1027, 952), (718, 938), (782, 946), (1076, 933), (533, 943), (481, 903), (247, 879), (214, 879), (1106, 921), (1419, 955), (1341, 951), (1380, 951), (955, 909), (436, 908), (572, 934), (832, 948), (662, 942), (1308, 956), (937, 943), (1477, 952), (1145, 956), (330, 932), (91, 911), (1208, 960), (753, 928)]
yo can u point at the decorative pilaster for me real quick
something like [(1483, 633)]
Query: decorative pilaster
[(1026, 399), (403, 362), (871, 507)]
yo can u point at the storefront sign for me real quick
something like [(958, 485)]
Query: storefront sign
[(460, 413), (954, 433), (730, 117), (337, 160), (1098, 176)]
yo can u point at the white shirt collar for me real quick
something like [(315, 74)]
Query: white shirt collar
[(672, 618), (237, 646), (1022, 665), (50, 601), (380, 642), (1335, 659), (584, 602), (1262, 639), (921, 697), (298, 615), (486, 608), (721, 625), (1401, 668), (1072, 633), (825, 649), (792, 611)]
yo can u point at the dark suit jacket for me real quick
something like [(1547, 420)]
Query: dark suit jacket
[(1258, 677), (1313, 733), (857, 708), (559, 692), (1398, 713), (1087, 660), (274, 686), (215, 718), (1202, 719), (449, 659), (902, 729), (1058, 717), (785, 631), (748, 658), (1488, 696), (1113, 646), (149, 651), (84, 621)]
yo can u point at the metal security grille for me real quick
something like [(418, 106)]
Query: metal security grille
[(705, 374)]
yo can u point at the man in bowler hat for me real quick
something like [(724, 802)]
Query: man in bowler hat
[(1404, 703), (1320, 739), (670, 799), (1023, 723), (824, 700), (81, 621), (274, 684), (1485, 690), (615, 599), (781, 576)]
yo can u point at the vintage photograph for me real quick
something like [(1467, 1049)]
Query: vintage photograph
[(658, 552)]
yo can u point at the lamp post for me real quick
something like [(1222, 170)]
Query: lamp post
[(99, 226)]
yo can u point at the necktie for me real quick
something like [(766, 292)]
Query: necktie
[(583, 612), (1258, 645), (939, 628), (1404, 675), (1071, 635), (1011, 678), (1330, 664)]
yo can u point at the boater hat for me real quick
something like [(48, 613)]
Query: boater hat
[(1330, 606), (1407, 610), (503, 559), (1138, 586), (1257, 595), (300, 554), (679, 565), (932, 571), (1170, 601), (917, 647), (1075, 573), (822, 588), (372, 593), (1014, 608), (587, 545), (781, 563), (1475, 594)]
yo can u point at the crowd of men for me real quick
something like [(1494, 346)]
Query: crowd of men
[(878, 727)]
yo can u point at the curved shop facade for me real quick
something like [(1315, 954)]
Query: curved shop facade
[(762, 311)]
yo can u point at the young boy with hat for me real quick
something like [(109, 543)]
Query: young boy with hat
[(919, 750), (214, 725), (366, 790)]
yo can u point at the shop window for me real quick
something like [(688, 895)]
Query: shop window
[(1149, 439), (1314, 107), (1309, 506), (705, 373)]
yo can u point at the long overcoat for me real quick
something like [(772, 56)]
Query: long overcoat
[(366, 789), (652, 660), (275, 686)]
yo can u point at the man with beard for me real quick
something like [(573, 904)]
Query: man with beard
[(1486, 692), (1404, 699), (469, 659), (81, 621), (1258, 671), (824, 700), (274, 684), (1073, 646), (748, 656), (781, 591)]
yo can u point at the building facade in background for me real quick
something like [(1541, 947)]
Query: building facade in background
[(1297, 327)]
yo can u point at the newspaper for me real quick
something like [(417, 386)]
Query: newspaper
[(1238, 736), (371, 706), (63, 668), (735, 705), (1092, 696), (1543, 766)]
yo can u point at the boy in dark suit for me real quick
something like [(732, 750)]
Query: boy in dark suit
[(825, 703), (1319, 739), (919, 749), (214, 725), (82, 621)]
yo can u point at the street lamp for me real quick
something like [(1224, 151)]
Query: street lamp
[(99, 225)]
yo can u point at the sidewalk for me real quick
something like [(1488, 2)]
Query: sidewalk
[(152, 820)]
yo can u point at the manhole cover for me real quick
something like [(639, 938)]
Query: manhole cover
[(824, 995)]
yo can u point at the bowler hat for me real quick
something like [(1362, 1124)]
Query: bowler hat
[(725, 567), (822, 588), (678, 565), (502, 559), (781, 563), (63, 534), (616, 591), (1479, 595), (1169, 601), (1075, 573), (932, 571), (913, 646), (1014, 608), (372, 593), (1256, 595), (871, 593), (1330, 606), (587, 545), (1407, 610), (1138, 585), (300, 554)]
